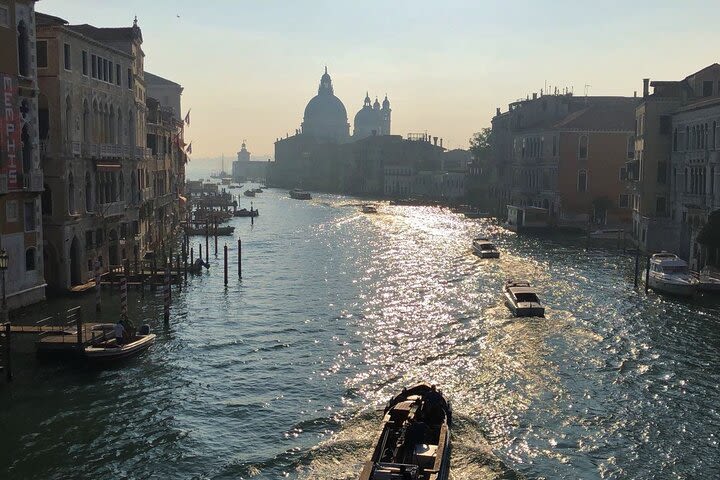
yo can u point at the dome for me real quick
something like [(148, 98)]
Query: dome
[(367, 120), (366, 116), (325, 116), (386, 103)]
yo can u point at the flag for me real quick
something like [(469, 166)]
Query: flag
[(187, 118), (189, 148)]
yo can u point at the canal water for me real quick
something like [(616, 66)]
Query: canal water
[(281, 375)]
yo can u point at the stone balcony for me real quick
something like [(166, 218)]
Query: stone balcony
[(111, 209)]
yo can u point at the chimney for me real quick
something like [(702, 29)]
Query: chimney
[(646, 87), (441, 143), (635, 94), (497, 111), (534, 96), (435, 140)]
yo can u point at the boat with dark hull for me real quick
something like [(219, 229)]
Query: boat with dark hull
[(522, 299), (298, 194), (224, 230), (484, 248), (415, 440), (109, 351), (244, 212)]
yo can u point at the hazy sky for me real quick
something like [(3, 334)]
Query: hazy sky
[(250, 67)]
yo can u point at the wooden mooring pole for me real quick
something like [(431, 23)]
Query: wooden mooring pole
[(225, 262), (8, 362), (647, 275), (207, 241), (166, 296), (637, 267), (216, 235), (239, 259), (97, 285)]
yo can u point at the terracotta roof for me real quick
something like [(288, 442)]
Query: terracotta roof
[(45, 19), (611, 116)]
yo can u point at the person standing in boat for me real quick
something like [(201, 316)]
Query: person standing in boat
[(120, 332)]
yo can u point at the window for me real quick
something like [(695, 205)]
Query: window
[(111, 70), (675, 140), (631, 147), (660, 206), (623, 174), (555, 145), (707, 88), (89, 244), (93, 66), (71, 194), (99, 237), (624, 201), (4, 16), (41, 53), (30, 217), (23, 46), (117, 75), (84, 63), (662, 173), (30, 260), (582, 181), (665, 124), (11, 210), (66, 51), (104, 70), (129, 78), (99, 68), (583, 147)]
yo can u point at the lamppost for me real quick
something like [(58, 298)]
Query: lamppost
[(3, 266)]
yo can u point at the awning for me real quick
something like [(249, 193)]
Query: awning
[(108, 167)]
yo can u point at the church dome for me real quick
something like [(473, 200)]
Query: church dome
[(367, 120), (325, 115)]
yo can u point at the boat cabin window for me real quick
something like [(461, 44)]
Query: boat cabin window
[(486, 246), (678, 269), (527, 297)]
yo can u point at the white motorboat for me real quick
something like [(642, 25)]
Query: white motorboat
[(484, 248), (109, 350), (415, 440), (368, 208), (670, 274), (522, 299)]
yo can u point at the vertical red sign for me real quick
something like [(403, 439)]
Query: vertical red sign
[(9, 130)]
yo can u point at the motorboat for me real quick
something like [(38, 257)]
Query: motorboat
[(522, 299), (244, 212), (415, 440), (257, 190), (249, 193), (670, 274), (484, 248), (369, 208), (211, 230), (298, 194), (109, 350)]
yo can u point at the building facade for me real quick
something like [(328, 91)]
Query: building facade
[(21, 176), (649, 171), (695, 174), (92, 141)]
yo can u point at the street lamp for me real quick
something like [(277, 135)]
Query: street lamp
[(3, 266)]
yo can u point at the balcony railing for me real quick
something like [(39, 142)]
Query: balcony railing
[(113, 151), (111, 209)]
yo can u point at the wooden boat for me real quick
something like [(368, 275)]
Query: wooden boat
[(298, 194), (368, 208), (484, 248), (224, 230), (244, 212), (415, 440), (670, 274), (249, 193), (110, 351), (522, 300)]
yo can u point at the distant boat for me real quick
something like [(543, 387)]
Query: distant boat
[(522, 300), (368, 208), (257, 190), (415, 440), (670, 274), (249, 193), (244, 212), (298, 194), (221, 230), (484, 248)]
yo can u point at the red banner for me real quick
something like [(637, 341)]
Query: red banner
[(9, 130)]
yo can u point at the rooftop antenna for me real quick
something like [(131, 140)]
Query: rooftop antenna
[(587, 88)]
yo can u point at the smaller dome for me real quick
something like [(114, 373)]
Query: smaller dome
[(386, 103), (376, 105)]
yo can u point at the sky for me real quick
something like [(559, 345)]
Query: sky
[(250, 67)]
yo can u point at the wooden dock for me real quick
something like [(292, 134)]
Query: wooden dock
[(68, 340)]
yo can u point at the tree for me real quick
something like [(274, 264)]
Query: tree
[(481, 143)]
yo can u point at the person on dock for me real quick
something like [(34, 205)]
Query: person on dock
[(120, 332)]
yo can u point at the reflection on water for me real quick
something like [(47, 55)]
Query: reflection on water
[(281, 375)]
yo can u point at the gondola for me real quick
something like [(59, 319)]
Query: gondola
[(415, 440)]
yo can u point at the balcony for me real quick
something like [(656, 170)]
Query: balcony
[(112, 209)]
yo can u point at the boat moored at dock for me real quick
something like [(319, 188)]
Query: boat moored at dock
[(484, 248), (670, 274), (111, 351), (415, 440), (522, 299), (369, 208)]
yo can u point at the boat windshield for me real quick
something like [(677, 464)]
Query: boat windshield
[(675, 269), (487, 246), (527, 298)]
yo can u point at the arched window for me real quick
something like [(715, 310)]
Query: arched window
[(119, 128), (68, 120), (46, 200), (675, 140), (121, 187), (713, 142), (27, 149), (582, 181), (133, 189), (583, 147), (23, 43), (71, 194), (86, 123), (687, 138), (30, 255), (88, 193), (113, 188)]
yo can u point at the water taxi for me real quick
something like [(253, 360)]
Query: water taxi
[(415, 440), (484, 248), (522, 299), (298, 194), (249, 193), (244, 212), (670, 274), (369, 208)]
